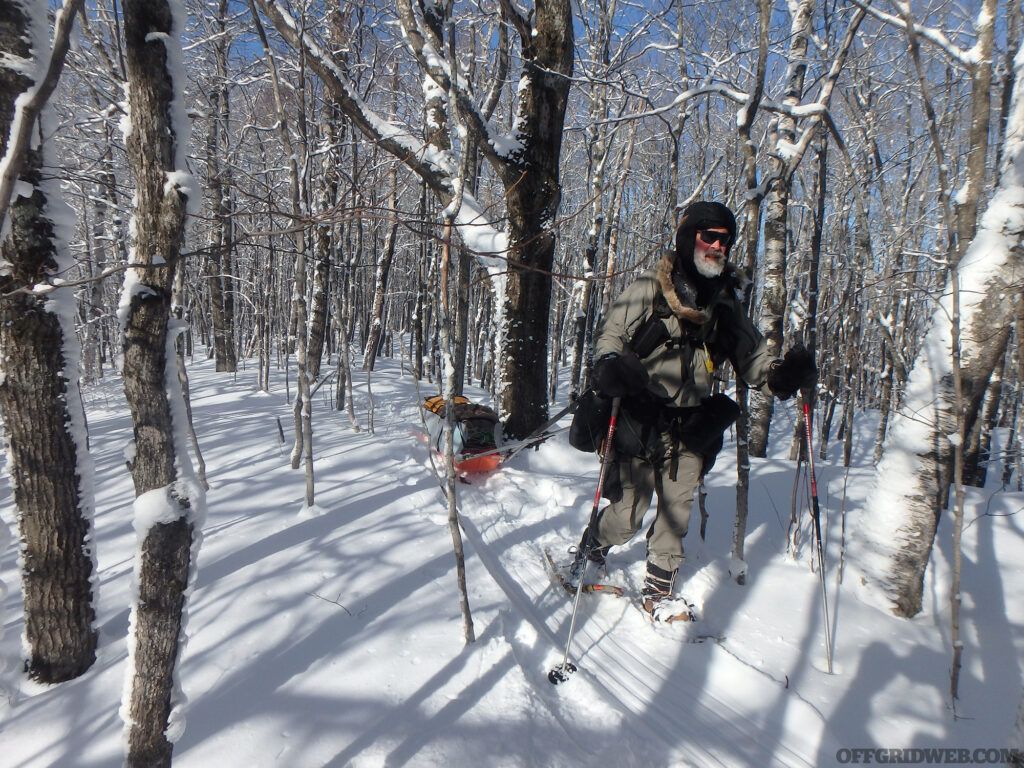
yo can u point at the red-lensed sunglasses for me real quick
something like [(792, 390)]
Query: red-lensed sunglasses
[(709, 237)]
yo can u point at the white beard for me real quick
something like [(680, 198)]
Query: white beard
[(706, 267)]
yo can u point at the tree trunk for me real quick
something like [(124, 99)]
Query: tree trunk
[(532, 198), (971, 193), (47, 459), (977, 452), (220, 272), (463, 263), (810, 330), (751, 218), (776, 219), (157, 157), (321, 298), (220, 237), (379, 294), (598, 150), (911, 480)]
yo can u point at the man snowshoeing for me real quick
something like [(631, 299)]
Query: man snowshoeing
[(657, 350)]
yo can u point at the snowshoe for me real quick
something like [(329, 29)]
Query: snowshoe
[(669, 609), (563, 575), (657, 600)]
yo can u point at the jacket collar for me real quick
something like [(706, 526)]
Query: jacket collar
[(681, 295)]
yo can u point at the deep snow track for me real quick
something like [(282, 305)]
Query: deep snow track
[(704, 703)]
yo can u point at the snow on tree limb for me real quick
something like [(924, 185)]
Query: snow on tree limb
[(30, 103), (436, 168), (893, 544), (944, 44)]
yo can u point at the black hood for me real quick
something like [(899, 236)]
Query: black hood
[(700, 215)]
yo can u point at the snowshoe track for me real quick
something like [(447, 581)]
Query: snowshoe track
[(671, 701)]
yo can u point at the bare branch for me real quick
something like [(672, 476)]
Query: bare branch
[(31, 103)]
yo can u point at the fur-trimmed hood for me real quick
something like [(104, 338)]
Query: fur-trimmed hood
[(690, 295), (681, 294)]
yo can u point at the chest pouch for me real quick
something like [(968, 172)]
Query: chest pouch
[(649, 337)]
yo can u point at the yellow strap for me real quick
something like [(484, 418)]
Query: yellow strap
[(707, 360)]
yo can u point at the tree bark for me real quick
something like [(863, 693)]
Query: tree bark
[(380, 285), (155, 151), (40, 400), (978, 450), (532, 197)]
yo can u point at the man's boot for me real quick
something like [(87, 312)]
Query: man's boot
[(657, 599), (657, 586)]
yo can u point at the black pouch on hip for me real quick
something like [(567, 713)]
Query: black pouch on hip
[(590, 422), (702, 430)]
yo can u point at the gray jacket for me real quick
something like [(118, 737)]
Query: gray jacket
[(680, 370)]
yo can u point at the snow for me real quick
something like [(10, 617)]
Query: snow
[(786, 150), (507, 145), (333, 636), (180, 177), (131, 286)]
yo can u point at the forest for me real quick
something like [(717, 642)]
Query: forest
[(464, 187)]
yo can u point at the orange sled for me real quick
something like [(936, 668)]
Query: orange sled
[(473, 464), (476, 435)]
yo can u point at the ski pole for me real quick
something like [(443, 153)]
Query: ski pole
[(816, 518), (560, 673)]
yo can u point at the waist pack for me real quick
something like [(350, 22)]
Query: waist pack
[(590, 422), (700, 429)]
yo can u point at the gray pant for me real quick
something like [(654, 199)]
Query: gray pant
[(640, 480)]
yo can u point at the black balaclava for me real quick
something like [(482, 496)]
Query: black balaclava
[(701, 215)]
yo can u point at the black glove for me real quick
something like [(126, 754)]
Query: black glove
[(793, 372), (619, 375)]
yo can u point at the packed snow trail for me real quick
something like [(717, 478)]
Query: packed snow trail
[(664, 677), (331, 635)]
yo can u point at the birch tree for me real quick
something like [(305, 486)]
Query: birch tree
[(791, 140), (902, 511), (776, 221)]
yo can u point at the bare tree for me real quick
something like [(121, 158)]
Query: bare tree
[(49, 465), (170, 503), (219, 261), (526, 164), (776, 221), (909, 481)]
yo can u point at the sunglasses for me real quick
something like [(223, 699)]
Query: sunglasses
[(711, 238)]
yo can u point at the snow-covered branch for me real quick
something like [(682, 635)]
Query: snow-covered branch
[(436, 168), (953, 52), (30, 103)]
